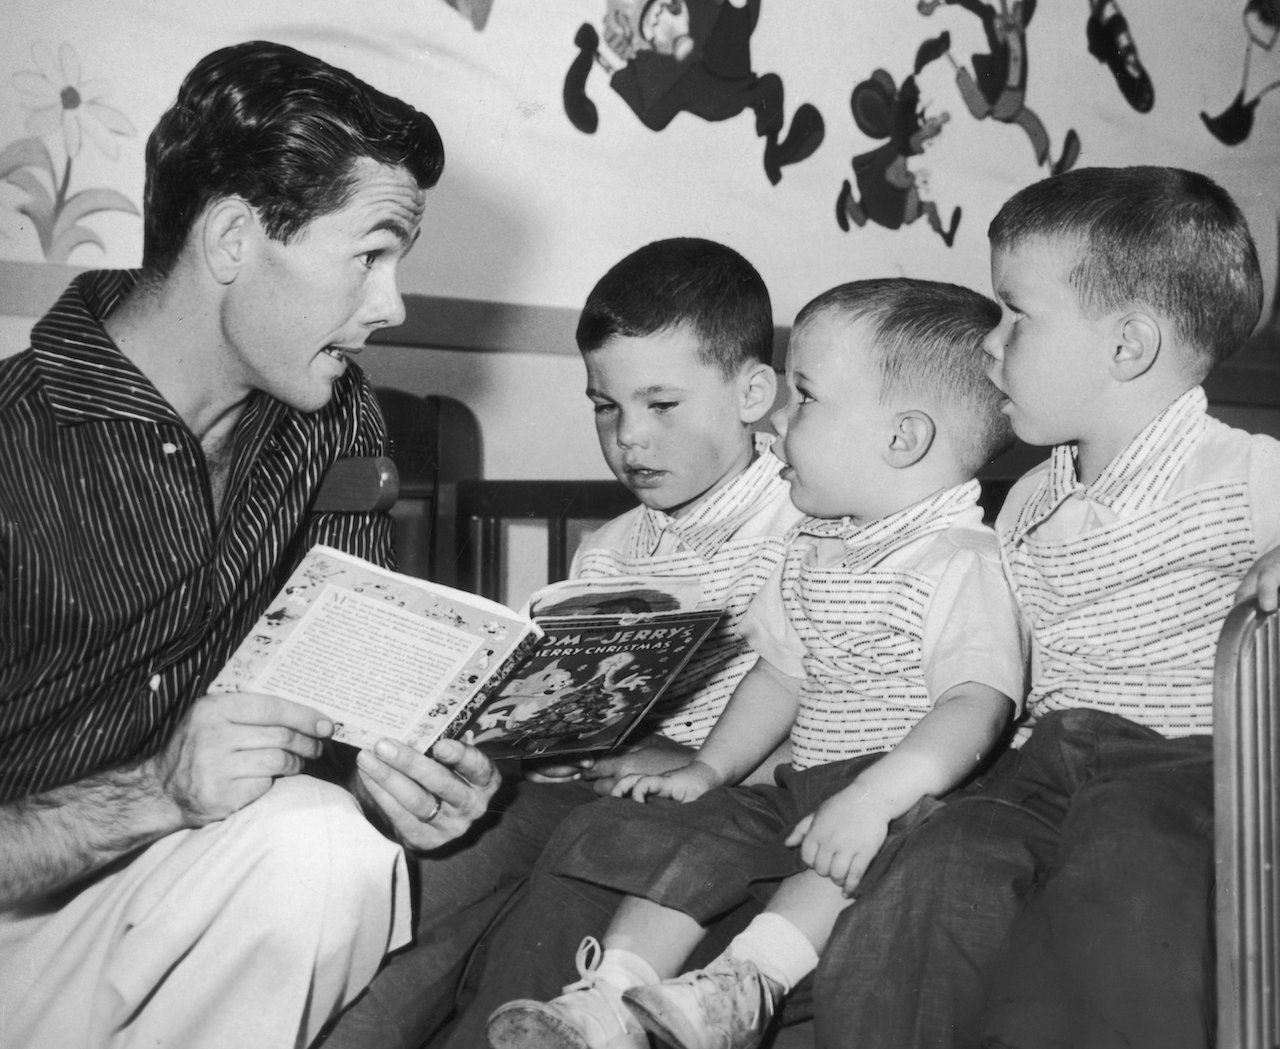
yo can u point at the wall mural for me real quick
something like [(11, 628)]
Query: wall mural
[(665, 57), (66, 111), (1261, 29), (577, 129)]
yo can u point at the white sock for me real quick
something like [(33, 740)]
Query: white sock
[(625, 969), (777, 948)]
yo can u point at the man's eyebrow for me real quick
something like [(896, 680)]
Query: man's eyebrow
[(397, 229)]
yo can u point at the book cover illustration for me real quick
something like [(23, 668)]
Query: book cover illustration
[(380, 653), (588, 683)]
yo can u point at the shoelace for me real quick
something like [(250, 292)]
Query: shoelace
[(587, 960)]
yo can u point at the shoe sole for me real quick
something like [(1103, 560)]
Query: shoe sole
[(521, 1026)]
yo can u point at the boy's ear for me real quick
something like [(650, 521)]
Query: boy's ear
[(224, 232), (911, 438), (1135, 346), (757, 388)]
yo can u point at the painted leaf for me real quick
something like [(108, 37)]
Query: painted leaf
[(41, 199), (44, 228), (69, 239), (26, 153), (86, 202)]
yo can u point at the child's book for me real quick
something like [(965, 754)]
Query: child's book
[(384, 654)]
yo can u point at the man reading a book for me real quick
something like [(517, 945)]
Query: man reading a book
[(168, 876)]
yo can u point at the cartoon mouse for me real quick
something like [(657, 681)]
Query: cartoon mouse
[(889, 189)]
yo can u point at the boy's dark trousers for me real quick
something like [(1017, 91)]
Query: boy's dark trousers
[(717, 858), (1064, 900)]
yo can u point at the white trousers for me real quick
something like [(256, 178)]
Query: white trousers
[(245, 934)]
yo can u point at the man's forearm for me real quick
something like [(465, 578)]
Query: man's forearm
[(49, 840)]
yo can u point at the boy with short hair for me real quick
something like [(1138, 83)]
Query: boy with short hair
[(890, 653), (1066, 900), (677, 339)]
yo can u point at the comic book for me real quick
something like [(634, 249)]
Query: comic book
[(388, 655)]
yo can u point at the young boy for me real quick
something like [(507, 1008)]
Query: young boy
[(1067, 900), (889, 651), (677, 339)]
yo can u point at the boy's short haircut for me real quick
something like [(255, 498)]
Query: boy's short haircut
[(928, 342), (684, 281), (1169, 239), (280, 129)]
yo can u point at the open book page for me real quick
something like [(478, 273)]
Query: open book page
[(381, 654)]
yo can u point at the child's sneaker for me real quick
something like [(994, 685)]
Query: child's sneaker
[(727, 1005), (588, 1015)]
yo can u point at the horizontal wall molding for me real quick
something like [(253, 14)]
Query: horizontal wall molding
[(28, 289)]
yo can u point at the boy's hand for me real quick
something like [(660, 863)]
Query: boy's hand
[(1263, 581), (557, 770), (840, 838), (682, 784), (654, 756)]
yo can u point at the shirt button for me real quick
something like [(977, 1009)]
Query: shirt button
[(169, 448)]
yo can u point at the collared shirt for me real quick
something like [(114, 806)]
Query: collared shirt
[(879, 620), (732, 541), (1124, 583), (120, 595)]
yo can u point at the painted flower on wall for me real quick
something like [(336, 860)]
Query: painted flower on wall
[(69, 110)]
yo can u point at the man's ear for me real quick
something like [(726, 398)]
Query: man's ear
[(758, 389), (911, 438), (225, 230), (1135, 345)]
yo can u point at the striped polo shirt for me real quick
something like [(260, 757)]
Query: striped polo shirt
[(120, 596), (1124, 583), (877, 620), (732, 541)]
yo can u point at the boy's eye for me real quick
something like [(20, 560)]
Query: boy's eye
[(369, 258), (664, 406), (600, 409)]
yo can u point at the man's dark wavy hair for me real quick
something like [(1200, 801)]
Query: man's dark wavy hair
[(280, 129)]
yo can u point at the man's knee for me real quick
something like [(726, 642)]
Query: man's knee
[(315, 857)]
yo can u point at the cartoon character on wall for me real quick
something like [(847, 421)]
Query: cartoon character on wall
[(1261, 57), (1111, 43), (476, 11), (997, 87), (890, 191), (666, 57)]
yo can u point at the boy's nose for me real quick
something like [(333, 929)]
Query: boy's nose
[(993, 343), (631, 432)]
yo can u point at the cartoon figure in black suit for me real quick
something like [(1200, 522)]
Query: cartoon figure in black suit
[(997, 88), (889, 190), (667, 57)]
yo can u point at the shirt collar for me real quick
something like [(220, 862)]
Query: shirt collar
[(1136, 479), (86, 376), (866, 544), (706, 525)]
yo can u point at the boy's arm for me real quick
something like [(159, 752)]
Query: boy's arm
[(756, 719), (841, 837)]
